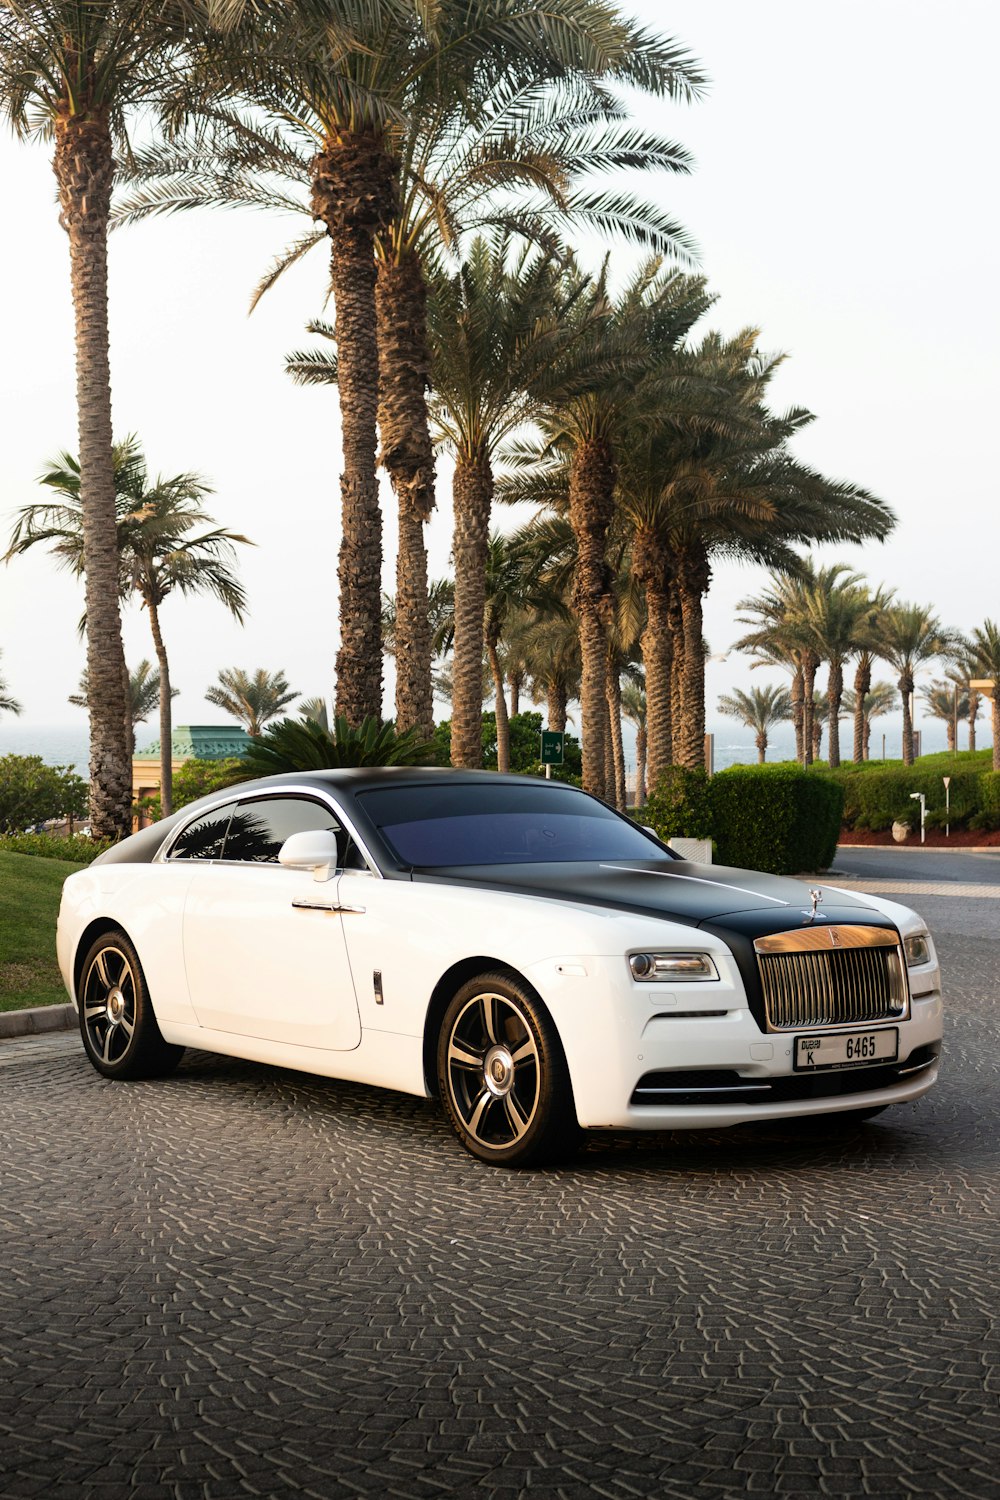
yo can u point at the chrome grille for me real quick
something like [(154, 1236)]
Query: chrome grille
[(832, 976)]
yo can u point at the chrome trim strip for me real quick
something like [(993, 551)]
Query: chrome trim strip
[(315, 794), (698, 880), (823, 939)]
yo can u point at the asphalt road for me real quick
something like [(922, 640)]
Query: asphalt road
[(243, 1282)]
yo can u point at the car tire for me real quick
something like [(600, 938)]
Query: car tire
[(117, 1024), (503, 1076)]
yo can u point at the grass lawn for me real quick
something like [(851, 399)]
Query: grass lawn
[(29, 901)]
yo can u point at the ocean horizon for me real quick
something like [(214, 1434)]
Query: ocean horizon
[(66, 744)]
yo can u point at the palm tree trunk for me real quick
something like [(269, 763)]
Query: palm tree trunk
[(640, 765), (353, 195), (676, 673), (653, 572), (761, 748), (693, 579), (810, 666), (473, 494), (591, 508), (557, 701), (834, 694), (166, 727), (817, 738), (514, 682), (862, 687), (500, 702), (797, 700), (609, 756), (84, 168), (906, 688), (973, 715), (995, 706), (408, 456), (615, 727)]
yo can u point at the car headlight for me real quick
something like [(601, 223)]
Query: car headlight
[(672, 968), (918, 950)]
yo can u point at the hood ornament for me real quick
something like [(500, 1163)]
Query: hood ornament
[(814, 912)]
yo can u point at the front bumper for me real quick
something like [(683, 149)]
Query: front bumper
[(616, 1033)]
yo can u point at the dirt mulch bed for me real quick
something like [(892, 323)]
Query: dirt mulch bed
[(960, 838)]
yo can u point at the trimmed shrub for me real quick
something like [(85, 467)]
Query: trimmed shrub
[(33, 792), (988, 815), (776, 818), (680, 806), (77, 850)]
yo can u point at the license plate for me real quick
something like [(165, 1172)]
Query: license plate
[(846, 1049)]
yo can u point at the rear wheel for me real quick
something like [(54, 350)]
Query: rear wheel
[(502, 1075), (119, 1030)]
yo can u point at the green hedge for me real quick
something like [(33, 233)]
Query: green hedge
[(77, 850), (875, 799), (780, 818), (776, 818)]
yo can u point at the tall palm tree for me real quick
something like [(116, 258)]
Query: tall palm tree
[(254, 699), (984, 642), (8, 705), (553, 661), (760, 710), (911, 635), (70, 74), (143, 694), (160, 551)]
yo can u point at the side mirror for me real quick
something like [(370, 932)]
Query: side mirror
[(316, 850)]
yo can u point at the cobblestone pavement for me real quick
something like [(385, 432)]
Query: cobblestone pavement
[(244, 1282)]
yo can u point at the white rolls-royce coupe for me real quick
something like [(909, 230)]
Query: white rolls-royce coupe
[(512, 945)]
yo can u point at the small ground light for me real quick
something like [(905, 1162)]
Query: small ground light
[(947, 803), (922, 799)]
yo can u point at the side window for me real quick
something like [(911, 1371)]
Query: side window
[(203, 839), (260, 826)]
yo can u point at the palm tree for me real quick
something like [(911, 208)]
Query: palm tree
[(71, 74), (553, 665), (881, 699), (143, 694), (8, 705), (985, 646), (634, 709), (866, 654), (960, 674), (760, 710), (254, 700), (911, 635), (493, 325), (837, 618), (949, 703), (157, 552), (316, 711)]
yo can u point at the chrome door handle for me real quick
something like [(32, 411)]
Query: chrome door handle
[(326, 906)]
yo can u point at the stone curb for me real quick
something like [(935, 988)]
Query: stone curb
[(924, 848), (39, 1018)]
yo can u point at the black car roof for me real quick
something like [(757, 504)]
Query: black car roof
[(142, 847)]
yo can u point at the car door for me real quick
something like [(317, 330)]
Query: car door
[(264, 946)]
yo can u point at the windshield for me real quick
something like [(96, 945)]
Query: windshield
[(473, 823)]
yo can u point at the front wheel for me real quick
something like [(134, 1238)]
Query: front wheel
[(117, 1024), (502, 1075)]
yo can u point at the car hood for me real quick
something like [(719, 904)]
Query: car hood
[(681, 891)]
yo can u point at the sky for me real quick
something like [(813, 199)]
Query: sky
[(843, 201)]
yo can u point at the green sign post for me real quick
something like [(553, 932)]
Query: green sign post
[(552, 749)]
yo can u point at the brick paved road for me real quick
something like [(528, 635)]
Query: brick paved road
[(243, 1282)]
